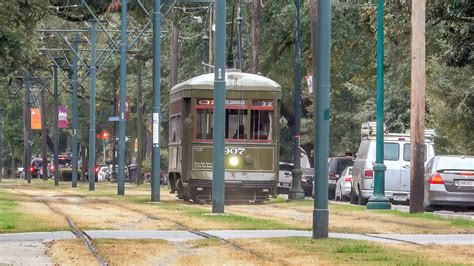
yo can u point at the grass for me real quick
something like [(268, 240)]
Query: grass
[(8, 212), (337, 251)]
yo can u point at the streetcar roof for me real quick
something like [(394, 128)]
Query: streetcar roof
[(235, 80)]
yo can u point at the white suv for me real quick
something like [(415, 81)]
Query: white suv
[(397, 161)]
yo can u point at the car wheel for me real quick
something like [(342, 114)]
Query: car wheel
[(361, 200), (354, 199)]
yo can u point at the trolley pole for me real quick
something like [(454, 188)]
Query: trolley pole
[(74, 113), (156, 153), (55, 122), (218, 172), (378, 201), (92, 138), (27, 127), (321, 145), (123, 84), (296, 191)]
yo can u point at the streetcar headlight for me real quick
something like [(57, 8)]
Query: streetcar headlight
[(234, 161)]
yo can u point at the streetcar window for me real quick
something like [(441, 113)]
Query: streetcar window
[(204, 124), (261, 125), (235, 123), (175, 129)]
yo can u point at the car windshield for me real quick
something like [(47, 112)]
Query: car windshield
[(343, 164), (286, 167), (455, 163)]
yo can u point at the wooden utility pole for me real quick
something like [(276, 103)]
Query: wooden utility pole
[(417, 113), (174, 55), (255, 36), (44, 136)]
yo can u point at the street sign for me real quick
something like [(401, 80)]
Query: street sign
[(114, 118)]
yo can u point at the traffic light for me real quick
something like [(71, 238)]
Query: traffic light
[(105, 137)]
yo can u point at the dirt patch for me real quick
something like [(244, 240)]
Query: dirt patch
[(215, 252), (69, 252), (133, 252)]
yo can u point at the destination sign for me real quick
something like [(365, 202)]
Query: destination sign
[(227, 102), (264, 103)]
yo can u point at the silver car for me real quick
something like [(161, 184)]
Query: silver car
[(449, 181), (343, 185)]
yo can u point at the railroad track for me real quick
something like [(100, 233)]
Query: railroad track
[(83, 236)]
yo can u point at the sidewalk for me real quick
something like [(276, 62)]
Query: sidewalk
[(174, 236)]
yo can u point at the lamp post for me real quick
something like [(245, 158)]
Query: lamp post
[(296, 191), (378, 200)]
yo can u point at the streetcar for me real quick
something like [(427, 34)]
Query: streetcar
[(251, 138)]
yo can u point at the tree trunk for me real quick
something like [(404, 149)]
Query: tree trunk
[(139, 123), (417, 113), (255, 36)]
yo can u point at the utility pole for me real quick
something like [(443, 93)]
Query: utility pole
[(55, 124), (174, 55), (296, 191), (218, 171), (27, 127), (139, 123), (44, 137), (74, 112), (417, 113), (378, 201), (255, 36), (322, 77), (123, 95), (156, 103), (205, 51), (92, 131)]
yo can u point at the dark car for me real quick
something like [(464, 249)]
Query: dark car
[(449, 181), (335, 167), (35, 168)]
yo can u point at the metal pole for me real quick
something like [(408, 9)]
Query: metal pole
[(74, 113), (321, 145), (156, 108), (44, 164), (378, 200), (92, 137), (296, 191), (27, 163), (239, 39), (56, 128), (218, 172), (123, 91)]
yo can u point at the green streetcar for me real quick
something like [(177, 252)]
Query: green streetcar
[(251, 138)]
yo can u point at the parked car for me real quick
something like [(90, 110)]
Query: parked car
[(449, 181), (344, 185), (397, 161), (102, 173), (20, 172), (307, 181), (335, 167), (36, 167), (285, 176)]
